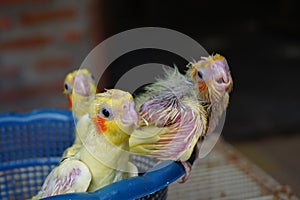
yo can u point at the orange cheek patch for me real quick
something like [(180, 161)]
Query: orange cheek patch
[(201, 86), (100, 124)]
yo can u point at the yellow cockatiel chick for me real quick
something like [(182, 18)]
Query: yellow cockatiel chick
[(80, 89), (103, 157)]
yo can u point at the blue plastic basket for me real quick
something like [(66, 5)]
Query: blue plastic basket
[(31, 145)]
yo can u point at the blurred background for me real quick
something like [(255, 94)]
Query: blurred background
[(42, 40)]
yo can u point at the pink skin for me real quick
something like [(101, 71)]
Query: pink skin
[(81, 85), (188, 167)]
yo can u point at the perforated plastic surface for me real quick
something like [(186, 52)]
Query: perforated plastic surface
[(31, 145), (38, 134)]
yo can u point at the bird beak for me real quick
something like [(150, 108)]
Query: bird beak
[(130, 115), (81, 85), (221, 75)]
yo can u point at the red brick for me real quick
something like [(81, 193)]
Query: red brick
[(8, 95), (28, 92), (72, 36), (39, 17), (9, 71), (44, 88), (13, 2), (53, 63), (26, 42), (96, 22), (5, 22)]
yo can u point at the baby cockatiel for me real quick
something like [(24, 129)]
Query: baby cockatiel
[(178, 109), (212, 79), (80, 88), (103, 157)]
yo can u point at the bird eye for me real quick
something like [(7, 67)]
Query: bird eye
[(67, 87), (92, 77), (200, 75), (106, 113)]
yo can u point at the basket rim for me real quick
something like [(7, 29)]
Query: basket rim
[(37, 114)]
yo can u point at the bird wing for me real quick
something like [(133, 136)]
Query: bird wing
[(171, 128), (69, 176)]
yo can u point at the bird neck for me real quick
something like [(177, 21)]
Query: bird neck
[(216, 110), (102, 147), (117, 137), (220, 104)]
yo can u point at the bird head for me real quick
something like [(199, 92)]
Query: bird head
[(114, 115), (211, 74), (81, 81)]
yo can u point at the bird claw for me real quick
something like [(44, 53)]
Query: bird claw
[(188, 168)]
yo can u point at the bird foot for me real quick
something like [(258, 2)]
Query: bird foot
[(188, 168)]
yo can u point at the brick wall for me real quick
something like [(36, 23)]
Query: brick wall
[(41, 41)]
